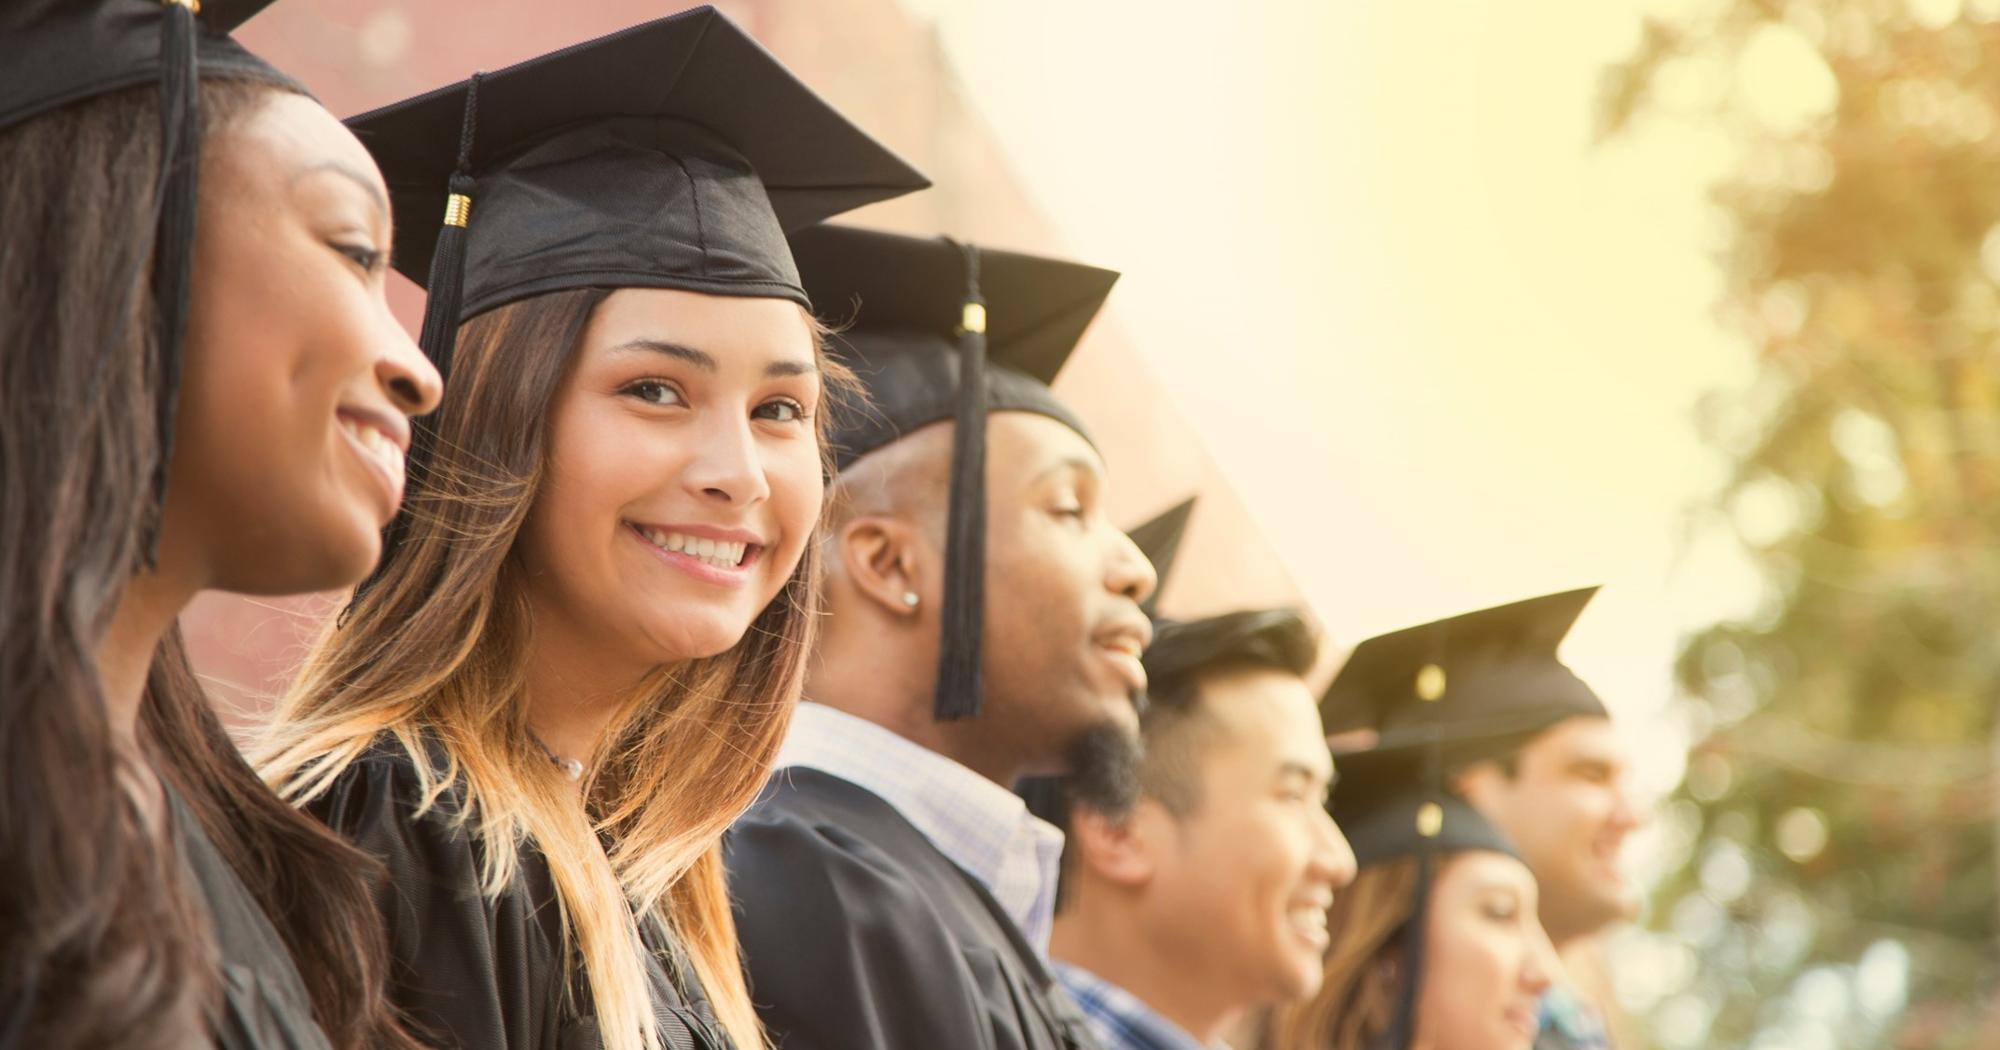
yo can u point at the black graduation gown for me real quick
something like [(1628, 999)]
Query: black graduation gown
[(475, 972), (265, 1005), (860, 935)]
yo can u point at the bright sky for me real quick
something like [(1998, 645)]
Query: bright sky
[(1447, 349)]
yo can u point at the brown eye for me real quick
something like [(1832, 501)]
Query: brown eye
[(781, 410), (655, 392)]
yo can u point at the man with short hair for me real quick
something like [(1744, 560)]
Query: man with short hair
[(1207, 897), (1529, 745), (982, 623)]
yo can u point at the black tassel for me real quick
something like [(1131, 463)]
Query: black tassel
[(1402, 1032), (959, 682), (173, 245), (439, 335)]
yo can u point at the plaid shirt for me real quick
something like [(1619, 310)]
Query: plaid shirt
[(1570, 1023), (979, 825), (1119, 1019)]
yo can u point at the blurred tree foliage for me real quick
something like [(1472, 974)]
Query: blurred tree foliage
[(1840, 812)]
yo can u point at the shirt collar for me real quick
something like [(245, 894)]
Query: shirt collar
[(1121, 1020), (978, 824)]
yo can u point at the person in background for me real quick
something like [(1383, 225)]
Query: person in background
[(1533, 749), (1200, 896), (983, 623)]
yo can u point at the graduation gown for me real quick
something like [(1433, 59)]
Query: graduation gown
[(858, 934), (265, 1005), (478, 972)]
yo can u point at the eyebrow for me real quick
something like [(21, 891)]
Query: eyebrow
[(705, 361), (1300, 769), (1079, 463), (352, 174)]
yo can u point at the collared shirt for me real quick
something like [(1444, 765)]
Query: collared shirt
[(1121, 1020), (1569, 1022), (981, 826)]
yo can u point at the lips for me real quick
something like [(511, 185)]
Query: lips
[(381, 445)]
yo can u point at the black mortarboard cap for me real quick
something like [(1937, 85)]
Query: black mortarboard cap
[(1475, 684), (937, 331), (674, 154), (1160, 541), (57, 52)]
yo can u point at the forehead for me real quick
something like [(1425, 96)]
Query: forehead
[(759, 328), (1030, 446), (1270, 714), (1577, 740), (283, 134), (1478, 870)]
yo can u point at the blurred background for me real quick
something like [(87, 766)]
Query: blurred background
[(1444, 305)]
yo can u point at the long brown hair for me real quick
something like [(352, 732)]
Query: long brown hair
[(1357, 1001), (103, 941), (437, 643)]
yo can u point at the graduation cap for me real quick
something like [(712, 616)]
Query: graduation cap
[(1475, 685), (673, 154), (1160, 541), (938, 331), (54, 53)]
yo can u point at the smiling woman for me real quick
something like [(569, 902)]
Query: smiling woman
[(575, 666), (150, 877)]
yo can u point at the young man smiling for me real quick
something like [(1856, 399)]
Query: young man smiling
[(983, 622), (1206, 899), (1531, 747)]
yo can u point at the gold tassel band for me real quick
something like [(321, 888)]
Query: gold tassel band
[(457, 209), (974, 318), (193, 6)]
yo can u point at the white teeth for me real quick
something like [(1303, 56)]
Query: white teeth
[(376, 444), (719, 553)]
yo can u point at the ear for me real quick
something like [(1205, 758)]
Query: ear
[(1476, 782), (1121, 852), (886, 560)]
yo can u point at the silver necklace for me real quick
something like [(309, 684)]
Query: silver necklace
[(571, 767)]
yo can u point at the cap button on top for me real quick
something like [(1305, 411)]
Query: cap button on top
[(1430, 682)]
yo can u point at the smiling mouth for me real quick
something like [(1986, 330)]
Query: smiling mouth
[(1308, 921), (378, 448), (722, 554)]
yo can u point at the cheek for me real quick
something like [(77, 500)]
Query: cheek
[(798, 493)]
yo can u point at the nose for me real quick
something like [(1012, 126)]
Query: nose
[(725, 465), (1540, 964), (1626, 813), (1333, 860), (1127, 572), (406, 375)]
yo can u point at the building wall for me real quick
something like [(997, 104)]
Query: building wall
[(883, 68)]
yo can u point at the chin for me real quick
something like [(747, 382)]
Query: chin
[(696, 637)]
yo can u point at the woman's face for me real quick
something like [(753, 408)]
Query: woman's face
[(299, 386), (683, 478), (1486, 960)]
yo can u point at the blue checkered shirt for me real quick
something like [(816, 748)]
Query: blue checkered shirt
[(1119, 1019), (979, 825)]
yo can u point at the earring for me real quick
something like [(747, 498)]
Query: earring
[(910, 599)]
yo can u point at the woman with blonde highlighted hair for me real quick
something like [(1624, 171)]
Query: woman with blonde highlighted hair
[(575, 667)]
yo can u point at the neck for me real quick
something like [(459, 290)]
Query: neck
[(572, 693), (902, 704), (144, 614), (1108, 939)]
